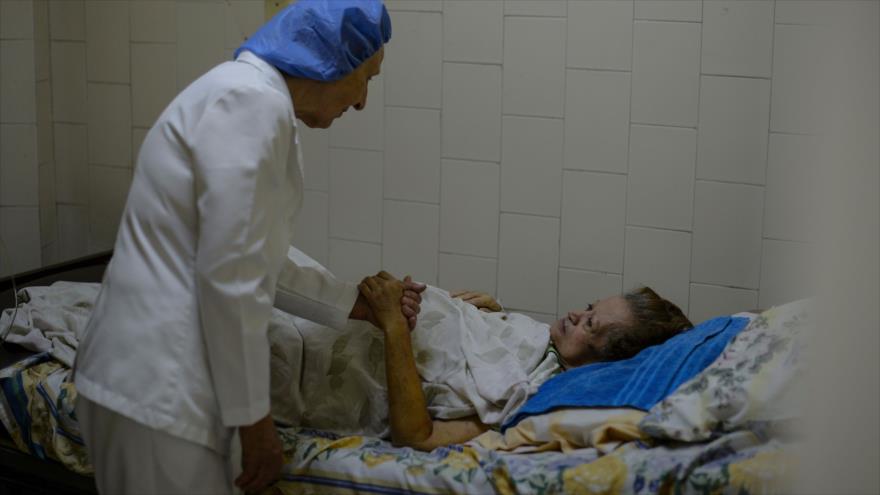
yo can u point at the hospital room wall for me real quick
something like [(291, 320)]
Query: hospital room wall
[(549, 152), (556, 152), (82, 82)]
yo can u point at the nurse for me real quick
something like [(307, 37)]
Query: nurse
[(173, 369)]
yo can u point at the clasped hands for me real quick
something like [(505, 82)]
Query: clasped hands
[(407, 305)]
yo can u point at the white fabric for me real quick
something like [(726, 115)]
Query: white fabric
[(471, 362), (177, 339), (52, 319), (130, 458)]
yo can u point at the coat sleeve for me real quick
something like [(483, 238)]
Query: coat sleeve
[(239, 149), (308, 290)]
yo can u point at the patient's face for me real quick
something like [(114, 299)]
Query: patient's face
[(581, 335)]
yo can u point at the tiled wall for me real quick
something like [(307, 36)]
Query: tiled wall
[(82, 83), (549, 152), (554, 152)]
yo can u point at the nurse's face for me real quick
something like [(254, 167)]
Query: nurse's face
[(318, 104)]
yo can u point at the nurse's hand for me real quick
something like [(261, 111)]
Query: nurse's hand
[(261, 455), (410, 303)]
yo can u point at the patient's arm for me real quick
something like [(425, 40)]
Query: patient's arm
[(484, 302), (411, 424)]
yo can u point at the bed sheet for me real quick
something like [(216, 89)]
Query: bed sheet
[(37, 410)]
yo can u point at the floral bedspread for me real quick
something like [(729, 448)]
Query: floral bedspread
[(740, 463)]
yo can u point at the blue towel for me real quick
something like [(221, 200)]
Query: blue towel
[(641, 381)]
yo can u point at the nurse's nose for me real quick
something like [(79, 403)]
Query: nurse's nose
[(362, 102)]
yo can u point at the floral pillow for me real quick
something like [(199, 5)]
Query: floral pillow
[(750, 385)]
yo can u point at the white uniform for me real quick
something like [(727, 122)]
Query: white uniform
[(177, 340)]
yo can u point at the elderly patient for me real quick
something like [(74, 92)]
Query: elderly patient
[(465, 367)]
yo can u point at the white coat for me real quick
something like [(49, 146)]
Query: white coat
[(177, 340)]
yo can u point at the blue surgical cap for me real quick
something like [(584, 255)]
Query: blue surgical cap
[(322, 39)]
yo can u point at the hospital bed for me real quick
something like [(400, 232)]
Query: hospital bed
[(682, 447)]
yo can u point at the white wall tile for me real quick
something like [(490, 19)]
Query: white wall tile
[(469, 208), (539, 8), (409, 240), (42, 50), (356, 195), (796, 93), (49, 254), (45, 142), (666, 73), (108, 190), (73, 231), (310, 231), (709, 301), (67, 20), (110, 124), (71, 164), (783, 277), (473, 31), (17, 90), (471, 111), (577, 288), (457, 272), (154, 81), (315, 149), (138, 134), (788, 204), (669, 10), (412, 154), (727, 234), (734, 119), (153, 20), (243, 19), (20, 230), (18, 165), (661, 177), (201, 38), (600, 34), (596, 120), (364, 129), (48, 215), (528, 261), (659, 259), (107, 41), (413, 59), (353, 260), (593, 217), (69, 81), (737, 37), (414, 5), (17, 20), (531, 165), (534, 66), (804, 11)]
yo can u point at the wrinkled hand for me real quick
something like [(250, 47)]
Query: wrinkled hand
[(484, 302), (410, 302), (384, 293), (261, 455)]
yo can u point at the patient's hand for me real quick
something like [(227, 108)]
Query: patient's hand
[(383, 294), (410, 302), (484, 302)]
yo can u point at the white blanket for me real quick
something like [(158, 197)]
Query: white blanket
[(51, 320), (470, 362)]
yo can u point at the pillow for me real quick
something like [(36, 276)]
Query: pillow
[(567, 430), (749, 385)]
